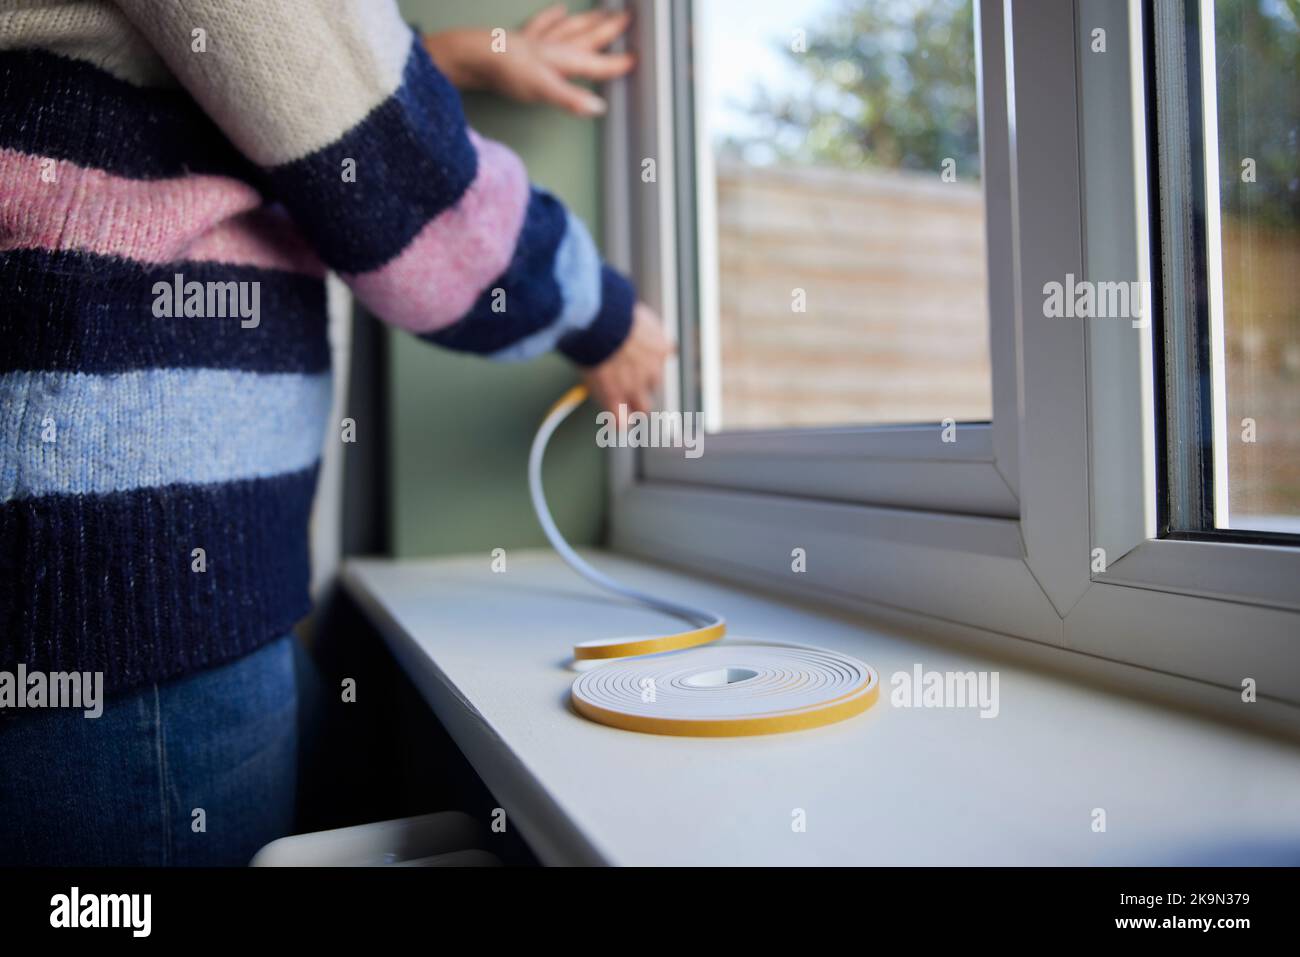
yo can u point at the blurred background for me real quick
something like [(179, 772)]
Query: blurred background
[(829, 125)]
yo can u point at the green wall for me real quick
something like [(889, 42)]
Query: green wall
[(461, 426)]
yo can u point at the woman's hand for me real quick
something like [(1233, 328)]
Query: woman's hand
[(539, 61), (632, 374)]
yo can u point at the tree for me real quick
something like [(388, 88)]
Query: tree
[(892, 83), (1258, 52)]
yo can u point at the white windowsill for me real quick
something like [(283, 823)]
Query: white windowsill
[(893, 786)]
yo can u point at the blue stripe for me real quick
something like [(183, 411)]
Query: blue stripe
[(413, 160), (106, 582), (85, 313), (75, 434), (601, 339), (577, 273), (533, 299), (68, 109)]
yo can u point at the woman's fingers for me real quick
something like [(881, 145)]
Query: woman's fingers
[(631, 376), (574, 26), (605, 31), (556, 90), (544, 21), (620, 396), (627, 401), (593, 66)]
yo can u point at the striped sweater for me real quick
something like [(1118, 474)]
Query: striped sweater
[(175, 180)]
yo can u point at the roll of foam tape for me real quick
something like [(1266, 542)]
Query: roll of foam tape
[(727, 690), (684, 687)]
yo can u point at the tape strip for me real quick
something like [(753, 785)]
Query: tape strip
[(728, 690), (684, 687), (603, 648)]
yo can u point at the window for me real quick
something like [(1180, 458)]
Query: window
[(1228, 109), (840, 216), (834, 305), (1255, 62), (1101, 500)]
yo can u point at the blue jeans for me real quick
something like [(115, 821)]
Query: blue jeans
[(197, 771)]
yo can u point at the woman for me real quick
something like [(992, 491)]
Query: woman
[(175, 179)]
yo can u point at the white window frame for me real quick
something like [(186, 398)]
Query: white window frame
[(992, 538), (896, 466)]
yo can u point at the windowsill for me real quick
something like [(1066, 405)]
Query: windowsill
[(892, 786)]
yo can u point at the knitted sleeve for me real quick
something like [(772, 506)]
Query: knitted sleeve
[(364, 142)]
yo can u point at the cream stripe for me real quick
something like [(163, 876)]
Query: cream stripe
[(282, 78), (89, 30)]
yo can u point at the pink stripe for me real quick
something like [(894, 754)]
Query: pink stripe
[(262, 237), (438, 277), (195, 217)]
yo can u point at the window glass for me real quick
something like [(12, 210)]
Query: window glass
[(1257, 48), (841, 216)]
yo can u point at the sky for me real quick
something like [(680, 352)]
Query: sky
[(739, 40)]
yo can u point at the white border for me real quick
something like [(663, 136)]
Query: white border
[(1214, 262), (980, 474)]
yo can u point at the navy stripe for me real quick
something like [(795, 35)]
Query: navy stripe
[(71, 110), (79, 312), (104, 582), (414, 159), (533, 299), (600, 340)]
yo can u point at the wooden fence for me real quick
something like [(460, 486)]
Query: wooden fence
[(892, 266)]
